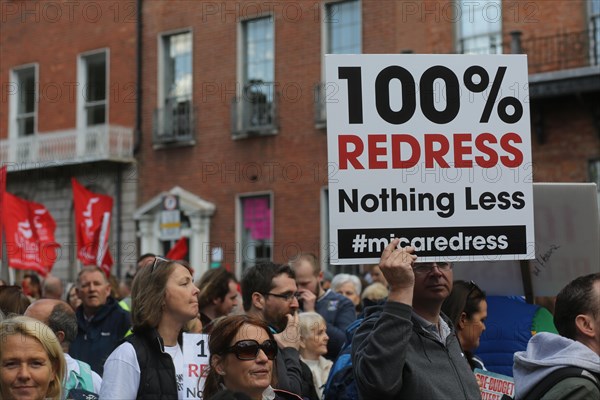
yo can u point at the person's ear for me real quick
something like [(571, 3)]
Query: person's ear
[(60, 335), (216, 362), (585, 325), (462, 321), (258, 301), (320, 276), (302, 344)]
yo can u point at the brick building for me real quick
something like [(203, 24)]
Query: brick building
[(68, 110), (232, 114)]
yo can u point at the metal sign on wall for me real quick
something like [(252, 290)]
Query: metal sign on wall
[(170, 218)]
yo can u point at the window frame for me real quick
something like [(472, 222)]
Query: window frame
[(15, 100), (459, 39), (246, 107), (82, 70), (162, 95), (239, 226)]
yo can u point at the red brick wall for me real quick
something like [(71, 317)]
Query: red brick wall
[(52, 34)]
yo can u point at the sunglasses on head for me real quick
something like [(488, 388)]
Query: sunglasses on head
[(248, 349), (157, 259)]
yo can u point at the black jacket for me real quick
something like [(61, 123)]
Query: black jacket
[(158, 379), (98, 337)]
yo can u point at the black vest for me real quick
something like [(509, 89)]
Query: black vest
[(158, 380)]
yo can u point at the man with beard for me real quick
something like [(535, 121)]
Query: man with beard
[(336, 309), (269, 292), (402, 344)]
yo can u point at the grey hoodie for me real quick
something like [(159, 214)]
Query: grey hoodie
[(546, 352)]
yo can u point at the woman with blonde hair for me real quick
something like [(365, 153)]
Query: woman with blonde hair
[(313, 346), (32, 363)]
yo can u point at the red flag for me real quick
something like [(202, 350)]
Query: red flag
[(44, 227), (179, 250), (29, 235), (2, 190), (92, 221)]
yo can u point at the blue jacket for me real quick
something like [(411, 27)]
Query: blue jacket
[(338, 312), (98, 337), (510, 324)]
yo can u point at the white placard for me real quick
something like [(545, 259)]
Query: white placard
[(568, 233), (196, 359), (434, 149)]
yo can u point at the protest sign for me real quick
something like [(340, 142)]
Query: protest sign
[(432, 149), (196, 359), (567, 235), (494, 385)]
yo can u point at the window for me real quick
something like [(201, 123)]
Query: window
[(342, 34), (173, 119), (343, 21), (93, 77), (480, 27), (255, 110), (256, 230), (595, 31), (25, 104)]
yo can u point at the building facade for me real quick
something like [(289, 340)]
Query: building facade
[(68, 110), (231, 107)]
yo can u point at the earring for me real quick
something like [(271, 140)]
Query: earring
[(222, 373)]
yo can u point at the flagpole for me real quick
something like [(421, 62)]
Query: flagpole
[(102, 242), (3, 258)]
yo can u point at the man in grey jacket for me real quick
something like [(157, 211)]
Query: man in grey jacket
[(407, 349), (577, 319)]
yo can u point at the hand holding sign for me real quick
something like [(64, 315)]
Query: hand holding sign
[(396, 265)]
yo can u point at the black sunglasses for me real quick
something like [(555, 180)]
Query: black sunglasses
[(157, 259), (248, 349)]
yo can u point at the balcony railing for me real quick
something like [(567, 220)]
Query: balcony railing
[(89, 144), (546, 53), (255, 111), (562, 50), (174, 123)]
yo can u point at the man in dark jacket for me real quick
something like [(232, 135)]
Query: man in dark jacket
[(337, 310), (101, 322), (407, 349)]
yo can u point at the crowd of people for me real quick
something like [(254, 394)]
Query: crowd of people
[(283, 331)]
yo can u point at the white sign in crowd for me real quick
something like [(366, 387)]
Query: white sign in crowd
[(196, 359), (432, 149)]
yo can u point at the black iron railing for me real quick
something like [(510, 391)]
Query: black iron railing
[(255, 111), (174, 123)]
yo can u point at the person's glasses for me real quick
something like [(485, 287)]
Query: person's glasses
[(288, 296), (248, 349), (425, 268), (157, 259)]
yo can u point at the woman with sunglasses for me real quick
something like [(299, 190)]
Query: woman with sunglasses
[(243, 352), (149, 365), (467, 309)]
